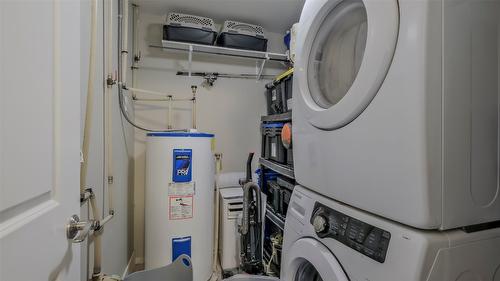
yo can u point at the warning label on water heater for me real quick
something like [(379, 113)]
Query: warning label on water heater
[(180, 207)]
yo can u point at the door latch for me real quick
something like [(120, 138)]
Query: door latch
[(77, 231)]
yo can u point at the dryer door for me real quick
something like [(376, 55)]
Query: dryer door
[(344, 49), (309, 260)]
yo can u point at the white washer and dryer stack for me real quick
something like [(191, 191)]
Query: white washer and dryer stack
[(396, 141)]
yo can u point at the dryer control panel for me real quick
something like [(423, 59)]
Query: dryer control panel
[(367, 239)]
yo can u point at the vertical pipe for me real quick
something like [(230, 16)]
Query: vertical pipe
[(119, 39), (135, 34), (96, 271), (109, 107), (169, 121), (218, 167), (193, 117), (190, 59), (90, 96), (135, 47), (124, 50)]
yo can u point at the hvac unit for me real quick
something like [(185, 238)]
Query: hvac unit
[(229, 240)]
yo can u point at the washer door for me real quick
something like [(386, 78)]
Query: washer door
[(309, 260), (344, 49)]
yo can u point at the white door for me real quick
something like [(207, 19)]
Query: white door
[(39, 138), (344, 49)]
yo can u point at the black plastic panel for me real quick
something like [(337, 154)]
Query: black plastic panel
[(369, 240), (241, 41), (189, 35)]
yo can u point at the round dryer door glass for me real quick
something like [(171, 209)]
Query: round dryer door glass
[(307, 272), (337, 52)]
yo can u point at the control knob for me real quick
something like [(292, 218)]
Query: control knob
[(320, 223)]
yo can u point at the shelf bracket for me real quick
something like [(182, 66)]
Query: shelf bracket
[(190, 59), (260, 68)]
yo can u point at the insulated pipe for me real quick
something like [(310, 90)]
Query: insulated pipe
[(106, 220), (96, 271), (147, 92), (90, 96), (166, 99), (86, 135)]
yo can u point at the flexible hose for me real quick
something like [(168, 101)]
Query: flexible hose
[(276, 243), (247, 191)]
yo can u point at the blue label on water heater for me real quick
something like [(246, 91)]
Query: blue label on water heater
[(182, 165), (181, 246)]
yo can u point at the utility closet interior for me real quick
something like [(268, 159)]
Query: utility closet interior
[(157, 86), (237, 140)]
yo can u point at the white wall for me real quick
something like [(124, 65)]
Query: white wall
[(231, 109), (117, 237)]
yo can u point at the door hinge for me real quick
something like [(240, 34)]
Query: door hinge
[(110, 80)]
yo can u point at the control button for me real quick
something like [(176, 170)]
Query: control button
[(334, 224), (373, 239), (369, 252), (384, 243), (360, 238), (320, 223)]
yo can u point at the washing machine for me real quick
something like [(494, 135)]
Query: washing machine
[(396, 108), (326, 240)]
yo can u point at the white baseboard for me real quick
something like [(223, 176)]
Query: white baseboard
[(139, 260)]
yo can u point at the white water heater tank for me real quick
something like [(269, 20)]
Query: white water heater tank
[(179, 200)]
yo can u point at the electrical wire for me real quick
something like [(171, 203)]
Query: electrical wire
[(276, 243)]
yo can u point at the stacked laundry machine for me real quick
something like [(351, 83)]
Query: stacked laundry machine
[(396, 142)]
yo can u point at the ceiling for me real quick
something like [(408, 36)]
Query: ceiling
[(273, 15)]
